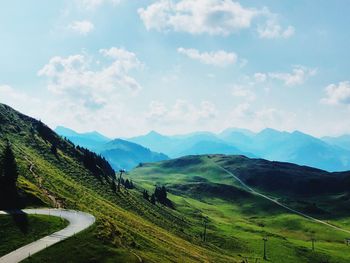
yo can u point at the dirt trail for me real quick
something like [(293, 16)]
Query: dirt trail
[(56, 202)]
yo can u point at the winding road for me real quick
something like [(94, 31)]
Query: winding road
[(78, 221)]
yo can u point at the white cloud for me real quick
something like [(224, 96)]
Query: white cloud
[(78, 78), (219, 58), (338, 94), (181, 112), (214, 17), (271, 29), (260, 77), (21, 100), (298, 76), (249, 117), (82, 27), (240, 91), (93, 4)]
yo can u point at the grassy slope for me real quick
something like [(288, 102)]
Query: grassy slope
[(126, 224), (239, 220), (17, 231)]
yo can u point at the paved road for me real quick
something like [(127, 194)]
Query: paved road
[(78, 221), (280, 204)]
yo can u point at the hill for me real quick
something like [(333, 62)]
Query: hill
[(54, 172), (295, 147), (204, 190), (120, 154)]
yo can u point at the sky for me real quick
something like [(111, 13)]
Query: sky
[(124, 68)]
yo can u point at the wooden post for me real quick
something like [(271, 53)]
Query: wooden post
[(313, 244), (265, 248)]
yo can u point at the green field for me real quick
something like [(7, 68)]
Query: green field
[(19, 230), (126, 225), (129, 228), (238, 220)]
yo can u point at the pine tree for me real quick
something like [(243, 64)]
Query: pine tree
[(145, 195), (153, 199), (114, 186), (9, 167)]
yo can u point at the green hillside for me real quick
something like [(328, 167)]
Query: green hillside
[(22, 229), (52, 172), (238, 220)]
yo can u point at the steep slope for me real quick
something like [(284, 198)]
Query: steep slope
[(128, 228), (122, 154)]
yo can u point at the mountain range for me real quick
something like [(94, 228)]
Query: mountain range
[(327, 153), (331, 154), (120, 154)]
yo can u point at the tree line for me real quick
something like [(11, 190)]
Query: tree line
[(159, 195)]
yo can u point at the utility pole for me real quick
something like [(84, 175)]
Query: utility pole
[(205, 229), (121, 171), (265, 248), (313, 244)]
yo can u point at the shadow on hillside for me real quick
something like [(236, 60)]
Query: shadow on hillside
[(20, 218)]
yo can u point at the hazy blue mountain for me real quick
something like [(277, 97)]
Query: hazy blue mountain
[(295, 147), (270, 144), (119, 153), (212, 147), (187, 144), (89, 140), (122, 154), (155, 141), (341, 141)]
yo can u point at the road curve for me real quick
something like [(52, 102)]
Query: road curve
[(78, 221), (279, 203)]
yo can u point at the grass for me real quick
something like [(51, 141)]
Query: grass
[(19, 230), (129, 227), (239, 220), (83, 247), (126, 224)]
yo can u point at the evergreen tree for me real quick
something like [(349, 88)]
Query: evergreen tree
[(114, 186), (54, 149), (153, 199), (9, 197), (127, 184), (9, 167), (145, 195)]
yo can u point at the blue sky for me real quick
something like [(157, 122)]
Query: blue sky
[(126, 67)]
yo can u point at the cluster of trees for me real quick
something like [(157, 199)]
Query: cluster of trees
[(159, 195), (97, 164), (9, 197), (128, 184)]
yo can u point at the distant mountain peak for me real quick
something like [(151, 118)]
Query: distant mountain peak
[(67, 132)]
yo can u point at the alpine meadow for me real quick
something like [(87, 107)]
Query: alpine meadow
[(174, 131)]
